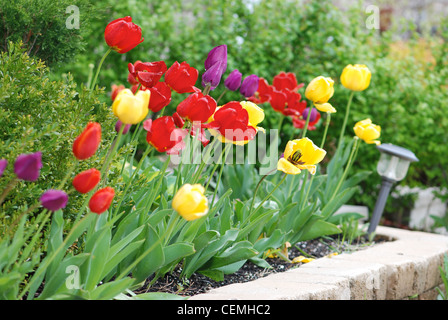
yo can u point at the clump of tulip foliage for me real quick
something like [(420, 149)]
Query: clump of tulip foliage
[(168, 213)]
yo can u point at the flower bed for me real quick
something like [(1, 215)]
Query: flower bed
[(222, 196)]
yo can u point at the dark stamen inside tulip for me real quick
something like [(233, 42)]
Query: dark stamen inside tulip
[(295, 158)]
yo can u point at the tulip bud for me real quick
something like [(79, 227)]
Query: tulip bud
[(313, 115), (249, 86), (320, 90), (356, 78), (85, 181), (368, 131), (130, 108), (122, 35), (86, 144), (27, 166), (101, 200), (3, 164), (233, 81), (190, 202), (54, 200), (118, 125), (215, 66)]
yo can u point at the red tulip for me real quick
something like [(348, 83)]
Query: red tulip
[(286, 81), (263, 92), (115, 90), (160, 97), (86, 144), (197, 107), (147, 73), (85, 181), (232, 122), (287, 102), (182, 78), (101, 200), (122, 35), (163, 134)]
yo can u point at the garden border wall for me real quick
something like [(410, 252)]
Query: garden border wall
[(404, 268)]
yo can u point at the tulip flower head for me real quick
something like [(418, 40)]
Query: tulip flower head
[(215, 66), (85, 181), (263, 93), (163, 135), (122, 35), (236, 122), (190, 202), (249, 85), (160, 97), (86, 144), (285, 80), (147, 73), (54, 200), (368, 131), (300, 155), (3, 164), (320, 90), (130, 108), (27, 166), (181, 77), (118, 125), (197, 107), (233, 81), (101, 200), (115, 90), (356, 77)]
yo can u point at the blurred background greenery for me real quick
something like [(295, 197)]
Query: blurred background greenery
[(408, 60)]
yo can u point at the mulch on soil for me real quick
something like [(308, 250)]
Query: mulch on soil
[(197, 283)]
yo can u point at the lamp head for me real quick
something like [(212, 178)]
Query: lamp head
[(394, 161)]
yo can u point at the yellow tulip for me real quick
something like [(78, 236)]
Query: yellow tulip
[(190, 202), (300, 155), (130, 108), (368, 131), (356, 77), (325, 107), (320, 90)]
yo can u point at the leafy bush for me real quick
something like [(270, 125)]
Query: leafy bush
[(37, 114), (47, 28)]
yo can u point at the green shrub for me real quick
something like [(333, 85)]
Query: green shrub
[(45, 27), (37, 114)]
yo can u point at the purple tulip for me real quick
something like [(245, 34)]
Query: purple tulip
[(213, 75), (215, 66), (249, 86), (118, 127), (217, 54), (54, 200), (233, 81), (313, 114), (27, 166), (3, 164)]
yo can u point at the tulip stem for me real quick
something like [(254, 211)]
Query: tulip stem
[(347, 111), (207, 89), (264, 200), (8, 188), (220, 171), (350, 161), (305, 128), (327, 123), (221, 95), (128, 183), (92, 86)]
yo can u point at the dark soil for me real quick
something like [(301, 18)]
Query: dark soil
[(196, 284)]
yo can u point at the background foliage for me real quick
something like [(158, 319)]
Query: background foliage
[(308, 38)]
